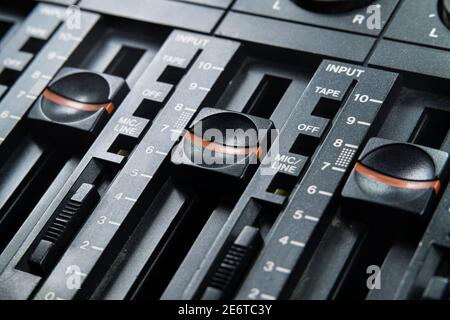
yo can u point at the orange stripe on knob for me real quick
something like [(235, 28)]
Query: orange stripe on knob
[(221, 148), (395, 182), (75, 104)]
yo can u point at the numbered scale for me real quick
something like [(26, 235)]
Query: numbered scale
[(333, 118), (122, 166), (182, 51), (44, 21)]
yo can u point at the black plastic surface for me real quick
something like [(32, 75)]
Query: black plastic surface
[(101, 196)]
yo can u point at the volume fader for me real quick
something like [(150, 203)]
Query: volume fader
[(62, 228), (236, 260)]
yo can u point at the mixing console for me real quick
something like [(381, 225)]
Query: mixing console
[(225, 149)]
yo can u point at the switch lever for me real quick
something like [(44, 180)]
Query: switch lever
[(233, 264), (62, 228)]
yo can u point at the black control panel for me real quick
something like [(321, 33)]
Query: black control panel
[(225, 149)]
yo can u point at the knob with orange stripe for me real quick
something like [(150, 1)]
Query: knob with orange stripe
[(221, 146), (77, 101), (445, 12), (392, 178), (333, 6)]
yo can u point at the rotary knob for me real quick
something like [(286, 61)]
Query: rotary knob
[(210, 140), (221, 145), (77, 102), (332, 6), (445, 12), (76, 97), (394, 179), (395, 170)]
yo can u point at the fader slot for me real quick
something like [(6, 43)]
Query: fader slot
[(432, 128), (179, 236), (124, 61), (157, 227), (432, 281), (22, 189), (397, 260), (4, 28), (371, 251), (50, 244), (267, 96), (321, 280), (438, 288)]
